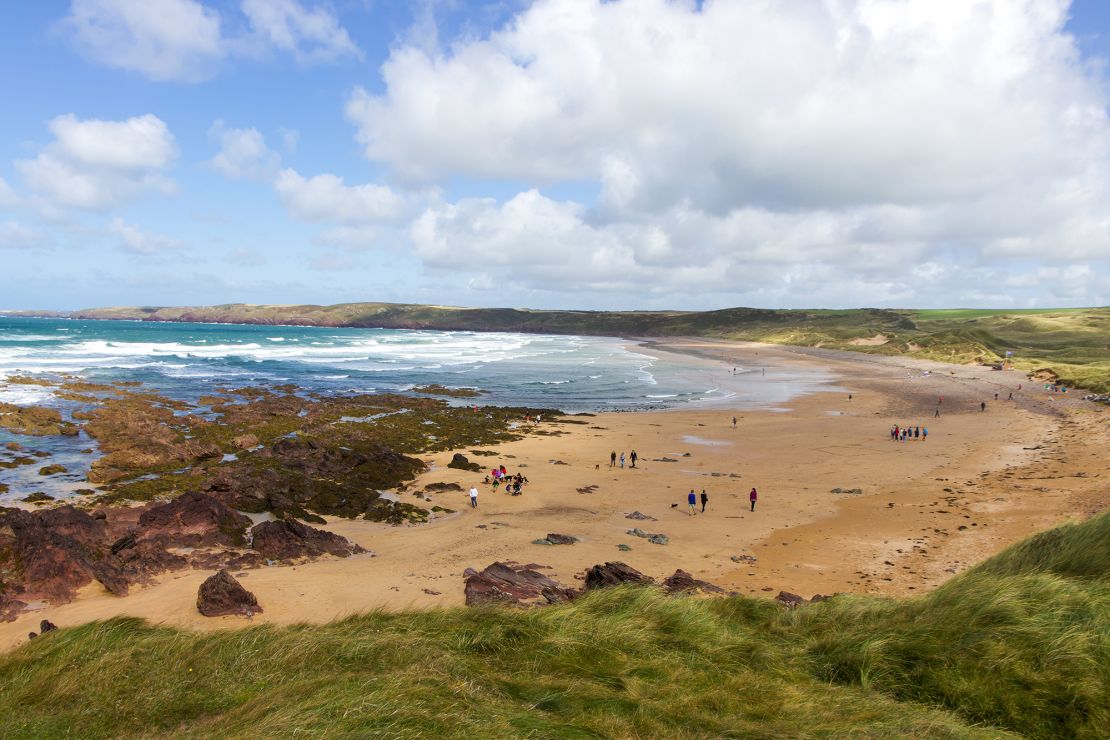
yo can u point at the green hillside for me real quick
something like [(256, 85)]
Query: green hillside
[(1019, 646), (1072, 343)]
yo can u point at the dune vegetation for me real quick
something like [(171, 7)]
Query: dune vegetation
[(1070, 344), (1018, 646)]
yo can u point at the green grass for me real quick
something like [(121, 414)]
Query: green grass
[(1018, 646)]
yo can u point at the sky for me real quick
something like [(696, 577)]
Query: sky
[(627, 154)]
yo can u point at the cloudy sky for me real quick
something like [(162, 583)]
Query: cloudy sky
[(556, 153)]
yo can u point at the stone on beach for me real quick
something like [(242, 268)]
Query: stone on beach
[(511, 583), (222, 595)]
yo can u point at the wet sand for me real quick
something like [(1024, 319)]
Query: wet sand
[(928, 509)]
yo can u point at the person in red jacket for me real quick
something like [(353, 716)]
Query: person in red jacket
[(752, 497)]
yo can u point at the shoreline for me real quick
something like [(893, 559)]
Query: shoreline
[(805, 539)]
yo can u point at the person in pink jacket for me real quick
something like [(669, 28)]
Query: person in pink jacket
[(752, 497)]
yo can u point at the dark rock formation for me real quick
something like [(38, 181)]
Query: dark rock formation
[(789, 600), (441, 487), (195, 519), (683, 582), (460, 461), (614, 574), (510, 583), (53, 469), (221, 595), (639, 516), (291, 540)]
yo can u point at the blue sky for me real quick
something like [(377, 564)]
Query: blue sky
[(561, 153)]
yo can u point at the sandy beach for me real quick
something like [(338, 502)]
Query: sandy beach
[(927, 509)]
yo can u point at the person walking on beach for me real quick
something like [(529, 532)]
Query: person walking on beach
[(752, 497), (734, 422), (924, 433), (622, 461), (473, 497), (937, 413), (633, 457), (692, 499), (982, 405), (613, 459), (704, 500)]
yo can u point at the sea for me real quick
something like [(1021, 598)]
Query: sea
[(186, 360)]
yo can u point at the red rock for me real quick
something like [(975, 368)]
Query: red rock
[(195, 519), (682, 581), (221, 595), (614, 574), (289, 540), (509, 583)]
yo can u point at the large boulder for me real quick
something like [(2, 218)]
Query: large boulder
[(195, 519), (290, 540), (511, 583), (614, 574), (222, 595)]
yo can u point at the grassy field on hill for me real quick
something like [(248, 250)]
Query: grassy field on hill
[(1018, 646), (1072, 343)]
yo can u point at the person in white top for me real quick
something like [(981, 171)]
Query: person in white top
[(474, 498)]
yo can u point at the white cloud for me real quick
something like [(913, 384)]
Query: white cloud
[(161, 39), (243, 154), (136, 241), (185, 40), (8, 197), (311, 35), (15, 235), (96, 164), (326, 199), (826, 149)]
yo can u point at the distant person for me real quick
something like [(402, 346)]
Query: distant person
[(704, 500), (692, 500), (917, 432), (613, 459), (634, 457), (937, 413), (734, 422), (996, 396), (1011, 398), (622, 461), (982, 405), (473, 498), (849, 396), (752, 497), (924, 433)]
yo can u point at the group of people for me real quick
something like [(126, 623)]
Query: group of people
[(613, 458), (898, 433), (499, 475), (692, 500)]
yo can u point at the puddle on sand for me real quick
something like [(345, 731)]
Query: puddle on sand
[(695, 440)]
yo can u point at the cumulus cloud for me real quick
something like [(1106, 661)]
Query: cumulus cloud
[(137, 241), (836, 147), (243, 154), (95, 164), (160, 39), (327, 199), (186, 40), (311, 35)]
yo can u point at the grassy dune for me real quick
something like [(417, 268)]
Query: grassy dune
[(1019, 646), (1073, 344)]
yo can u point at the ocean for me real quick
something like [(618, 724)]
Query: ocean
[(185, 361), (571, 373)]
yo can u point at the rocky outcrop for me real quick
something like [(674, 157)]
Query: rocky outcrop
[(222, 595), (460, 462), (614, 574), (195, 519), (511, 583), (33, 420), (295, 476), (789, 600), (291, 540), (683, 582), (560, 539), (639, 516)]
